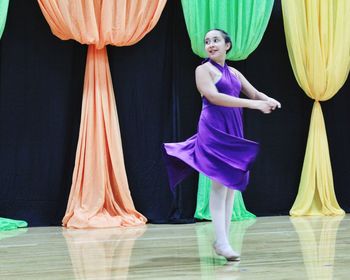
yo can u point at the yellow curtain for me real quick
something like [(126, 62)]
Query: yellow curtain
[(100, 195), (318, 42)]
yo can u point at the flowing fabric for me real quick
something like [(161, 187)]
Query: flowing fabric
[(4, 4), (318, 41), (244, 20), (100, 195), (218, 149)]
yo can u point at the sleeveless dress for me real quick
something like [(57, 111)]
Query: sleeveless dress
[(218, 150)]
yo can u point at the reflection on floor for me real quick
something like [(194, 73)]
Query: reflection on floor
[(271, 248)]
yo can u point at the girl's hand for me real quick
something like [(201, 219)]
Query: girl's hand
[(264, 106), (273, 103)]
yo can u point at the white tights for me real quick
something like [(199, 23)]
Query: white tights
[(221, 205)]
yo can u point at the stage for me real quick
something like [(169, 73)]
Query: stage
[(271, 248)]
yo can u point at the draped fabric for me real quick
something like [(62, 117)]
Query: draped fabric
[(318, 42), (100, 195), (9, 224), (246, 22), (239, 212), (3, 14), (40, 114)]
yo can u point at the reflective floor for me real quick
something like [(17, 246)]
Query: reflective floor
[(271, 248)]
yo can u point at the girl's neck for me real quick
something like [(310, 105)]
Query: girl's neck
[(220, 61)]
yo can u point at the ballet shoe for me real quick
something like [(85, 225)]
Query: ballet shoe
[(226, 252)]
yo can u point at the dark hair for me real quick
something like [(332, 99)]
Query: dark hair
[(225, 36)]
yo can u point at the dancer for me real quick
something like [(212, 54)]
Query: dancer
[(219, 150)]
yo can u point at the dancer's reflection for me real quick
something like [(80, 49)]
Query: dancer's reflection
[(317, 236), (101, 253), (212, 266)]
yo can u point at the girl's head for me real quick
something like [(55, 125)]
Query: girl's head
[(217, 43)]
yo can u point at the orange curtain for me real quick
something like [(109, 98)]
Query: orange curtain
[(100, 195)]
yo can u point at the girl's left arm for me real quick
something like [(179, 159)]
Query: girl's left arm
[(251, 92)]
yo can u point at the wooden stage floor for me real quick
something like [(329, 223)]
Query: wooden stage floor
[(271, 248)]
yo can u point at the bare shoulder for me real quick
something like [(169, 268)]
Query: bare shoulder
[(203, 69), (234, 71)]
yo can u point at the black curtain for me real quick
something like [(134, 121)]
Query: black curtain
[(41, 83)]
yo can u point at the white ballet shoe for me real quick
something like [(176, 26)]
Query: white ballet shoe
[(226, 252)]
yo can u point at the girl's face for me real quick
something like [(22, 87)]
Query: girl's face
[(215, 45)]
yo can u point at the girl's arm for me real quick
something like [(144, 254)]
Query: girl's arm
[(252, 93), (207, 88)]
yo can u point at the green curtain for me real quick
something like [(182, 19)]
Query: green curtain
[(3, 13), (239, 212), (246, 22), (7, 224)]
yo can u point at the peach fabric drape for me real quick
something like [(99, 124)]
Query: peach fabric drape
[(100, 195)]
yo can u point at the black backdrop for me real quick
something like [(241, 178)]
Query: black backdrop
[(41, 82)]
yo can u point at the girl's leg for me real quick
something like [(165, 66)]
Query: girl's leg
[(217, 210), (218, 201), (228, 211)]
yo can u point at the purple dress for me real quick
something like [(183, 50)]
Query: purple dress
[(218, 150)]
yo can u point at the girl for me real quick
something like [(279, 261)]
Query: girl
[(219, 150)]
